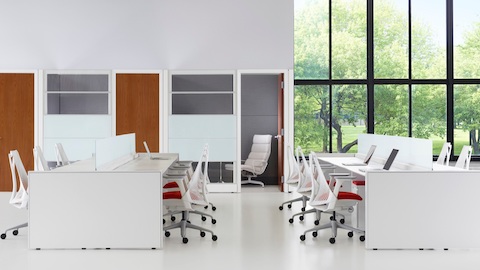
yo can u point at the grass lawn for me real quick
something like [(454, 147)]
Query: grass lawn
[(350, 133)]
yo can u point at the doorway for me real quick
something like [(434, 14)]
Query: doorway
[(262, 113)]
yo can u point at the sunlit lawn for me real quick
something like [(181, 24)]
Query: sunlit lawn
[(350, 133)]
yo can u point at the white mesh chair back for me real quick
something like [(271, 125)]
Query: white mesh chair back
[(294, 173), (323, 195), (40, 160), (62, 158), (297, 153), (197, 187), (19, 197), (463, 160), (305, 183), (444, 156)]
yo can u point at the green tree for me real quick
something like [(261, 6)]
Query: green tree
[(467, 97), (349, 62)]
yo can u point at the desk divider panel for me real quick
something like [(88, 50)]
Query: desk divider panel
[(411, 150), (113, 149)]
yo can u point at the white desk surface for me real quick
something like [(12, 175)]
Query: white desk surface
[(141, 163), (144, 163), (338, 161)]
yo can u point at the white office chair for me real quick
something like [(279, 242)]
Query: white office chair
[(183, 170), (304, 187), (19, 197), (184, 199), (61, 156), (327, 198), (39, 158), (294, 176), (257, 160), (463, 160), (444, 156)]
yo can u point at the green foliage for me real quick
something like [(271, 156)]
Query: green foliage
[(312, 120)]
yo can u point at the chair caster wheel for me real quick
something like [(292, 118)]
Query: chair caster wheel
[(302, 237), (289, 206), (214, 221), (280, 208), (167, 234), (185, 240), (350, 234), (3, 236), (315, 234), (15, 232), (172, 218), (214, 208), (303, 209), (332, 240), (342, 221), (204, 218), (331, 217), (163, 221), (302, 218), (214, 237), (316, 222), (202, 234), (290, 220), (362, 238), (205, 207)]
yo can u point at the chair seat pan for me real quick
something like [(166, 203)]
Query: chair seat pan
[(359, 182), (172, 195), (171, 185), (344, 195)]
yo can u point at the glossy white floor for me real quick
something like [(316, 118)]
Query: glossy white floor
[(252, 234)]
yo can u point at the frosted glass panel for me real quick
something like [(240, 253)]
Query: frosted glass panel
[(76, 149), (202, 126), (411, 150), (191, 149), (188, 134), (112, 148), (78, 126)]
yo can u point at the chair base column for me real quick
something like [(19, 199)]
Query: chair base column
[(250, 181)]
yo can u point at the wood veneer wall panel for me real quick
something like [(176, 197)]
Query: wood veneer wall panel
[(16, 122), (137, 108)]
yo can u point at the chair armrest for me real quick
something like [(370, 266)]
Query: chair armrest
[(339, 174), (337, 182)]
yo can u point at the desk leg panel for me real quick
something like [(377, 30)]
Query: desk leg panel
[(95, 210)]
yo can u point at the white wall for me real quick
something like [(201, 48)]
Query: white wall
[(146, 34)]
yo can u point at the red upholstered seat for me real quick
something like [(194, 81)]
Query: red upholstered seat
[(172, 195), (171, 185), (359, 182), (343, 195)]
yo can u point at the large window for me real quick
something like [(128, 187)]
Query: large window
[(396, 67)]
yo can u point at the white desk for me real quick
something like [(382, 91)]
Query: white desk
[(412, 209), (77, 207)]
